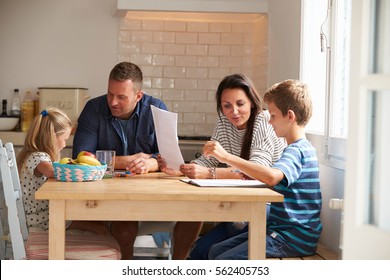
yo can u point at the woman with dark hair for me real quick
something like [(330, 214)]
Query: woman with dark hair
[(242, 130)]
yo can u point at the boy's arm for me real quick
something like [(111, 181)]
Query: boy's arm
[(267, 175)]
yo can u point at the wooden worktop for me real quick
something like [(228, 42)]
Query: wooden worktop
[(159, 185)]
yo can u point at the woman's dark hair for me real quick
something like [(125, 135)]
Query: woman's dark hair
[(242, 82)]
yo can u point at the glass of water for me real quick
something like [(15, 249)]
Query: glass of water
[(107, 157)]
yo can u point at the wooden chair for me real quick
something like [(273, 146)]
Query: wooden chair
[(34, 245)]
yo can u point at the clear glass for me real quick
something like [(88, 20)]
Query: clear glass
[(107, 157)]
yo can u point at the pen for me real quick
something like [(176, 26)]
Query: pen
[(236, 171), (122, 173)]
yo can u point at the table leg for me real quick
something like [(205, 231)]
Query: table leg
[(257, 231), (56, 229)]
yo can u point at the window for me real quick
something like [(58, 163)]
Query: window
[(379, 100), (313, 71), (325, 68)]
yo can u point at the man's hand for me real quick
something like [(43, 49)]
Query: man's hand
[(141, 163)]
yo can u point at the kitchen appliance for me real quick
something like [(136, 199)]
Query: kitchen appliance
[(69, 99)]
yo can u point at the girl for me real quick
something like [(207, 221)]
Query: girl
[(44, 141)]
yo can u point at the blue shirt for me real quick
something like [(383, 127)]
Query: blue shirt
[(297, 219), (97, 129)]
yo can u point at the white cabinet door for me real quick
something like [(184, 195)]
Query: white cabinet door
[(366, 233)]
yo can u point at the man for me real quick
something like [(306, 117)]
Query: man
[(122, 121)]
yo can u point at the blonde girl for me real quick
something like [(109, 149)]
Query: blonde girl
[(44, 141)]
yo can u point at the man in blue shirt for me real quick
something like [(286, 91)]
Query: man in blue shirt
[(122, 121)]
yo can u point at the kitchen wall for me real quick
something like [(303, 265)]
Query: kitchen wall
[(185, 56), (76, 43), (46, 43)]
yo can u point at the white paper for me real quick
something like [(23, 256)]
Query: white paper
[(224, 183), (165, 124)]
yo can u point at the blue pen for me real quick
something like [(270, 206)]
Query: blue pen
[(122, 173), (236, 171)]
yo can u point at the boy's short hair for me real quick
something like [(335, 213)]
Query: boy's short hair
[(291, 95)]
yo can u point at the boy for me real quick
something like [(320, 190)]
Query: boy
[(294, 226)]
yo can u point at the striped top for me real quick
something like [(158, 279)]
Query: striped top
[(297, 219), (266, 147)]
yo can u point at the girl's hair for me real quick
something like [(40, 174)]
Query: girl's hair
[(291, 95), (41, 137), (242, 82)]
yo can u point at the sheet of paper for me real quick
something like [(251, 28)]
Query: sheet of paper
[(165, 124), (224, 183)]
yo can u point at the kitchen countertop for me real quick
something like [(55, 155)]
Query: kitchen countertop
[(17, 138)]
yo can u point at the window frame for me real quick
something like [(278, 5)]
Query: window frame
[(331, 150)]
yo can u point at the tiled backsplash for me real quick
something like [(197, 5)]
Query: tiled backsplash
[(183, 60)]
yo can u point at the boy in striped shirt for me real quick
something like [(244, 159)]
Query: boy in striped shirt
[(293, 226)]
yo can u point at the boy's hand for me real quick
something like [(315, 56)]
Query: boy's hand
[(214, 149)]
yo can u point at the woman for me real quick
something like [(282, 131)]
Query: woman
[(242, 130)]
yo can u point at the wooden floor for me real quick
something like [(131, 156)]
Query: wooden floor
[(323, 253)]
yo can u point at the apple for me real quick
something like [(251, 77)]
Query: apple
[(86, 153)]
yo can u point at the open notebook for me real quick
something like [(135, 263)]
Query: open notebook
[(224, 183)]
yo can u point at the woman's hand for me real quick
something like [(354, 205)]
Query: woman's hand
[(195, 171), (162, 164)]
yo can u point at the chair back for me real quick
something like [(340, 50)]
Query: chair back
[(79, 245), (13, 200)]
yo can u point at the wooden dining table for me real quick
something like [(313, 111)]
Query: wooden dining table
[(154, 197)]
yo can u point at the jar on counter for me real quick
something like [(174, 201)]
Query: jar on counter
[(36, 104), (27, 111)]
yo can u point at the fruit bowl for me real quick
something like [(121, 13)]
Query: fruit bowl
[(77, 172), (8, 123)]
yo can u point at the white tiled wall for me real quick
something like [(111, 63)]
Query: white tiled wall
[(183, 60)]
